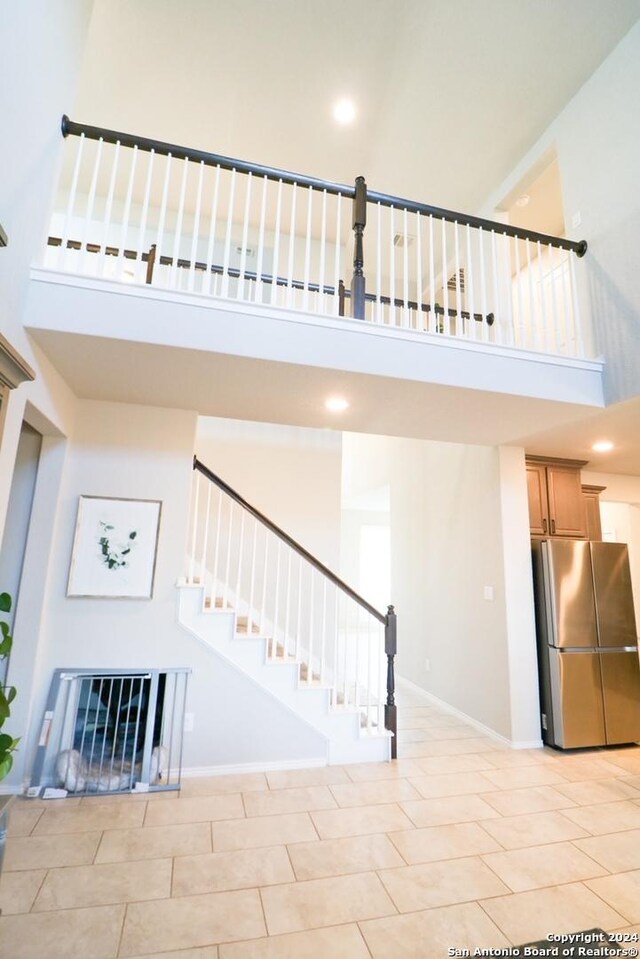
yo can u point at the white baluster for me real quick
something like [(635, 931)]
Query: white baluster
[(108, 210), (142, 246), (405, 268), (206, 284), (292, 239), (356, 613), (263, 605), (227, 570), (214, 584), (252, 581), (468, 288), (84, 254), (287, 604), (196, 230), (459, 320), (240, 557), (260, 259), (61, 259), (554, 301), (521, 340), (307, 253), (205, 541), (483, 282), (245, 241), (568, 306), (337, 253), (445, 280), (194, 528), (323, 634), (322, 301), (543, 301), (369, 697), (433, 316), (227, 239), (506, 258), (576, 308), (534, 330), (127, 211), (392, 269), (276, 247), (299, 613), (497, 308), (177, 237), (334, 690), (311, 625), (346, 653), (163, 209), (419, 318), (277, 599), (379, 310)]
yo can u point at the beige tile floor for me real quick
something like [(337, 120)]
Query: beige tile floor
[(459, 843)]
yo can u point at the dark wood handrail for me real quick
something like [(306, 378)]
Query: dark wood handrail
[(300, 550), (71, 128), (579, 247)]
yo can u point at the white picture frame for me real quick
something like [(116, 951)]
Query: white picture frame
[(114, 548)]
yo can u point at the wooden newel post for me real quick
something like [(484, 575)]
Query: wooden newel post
[(390, 709), (359, 223)]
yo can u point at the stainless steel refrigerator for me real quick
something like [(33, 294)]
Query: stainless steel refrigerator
[(587, 643)]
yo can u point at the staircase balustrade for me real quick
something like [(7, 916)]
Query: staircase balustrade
[(142, 211), (278, 590)]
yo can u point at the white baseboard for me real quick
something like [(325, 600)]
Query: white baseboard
[(283, 765), (485, 730)]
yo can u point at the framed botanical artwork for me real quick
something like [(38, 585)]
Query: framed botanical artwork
[(114, 548)]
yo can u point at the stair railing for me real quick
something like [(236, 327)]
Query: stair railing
[(186, 220), (278, 590)]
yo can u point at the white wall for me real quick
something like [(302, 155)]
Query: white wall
[(453, 532), (146, 453), (620, 512), (291, 474), (596, 140)]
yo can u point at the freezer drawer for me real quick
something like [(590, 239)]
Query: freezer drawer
[(576, 694), (613, 595), (621, 693)]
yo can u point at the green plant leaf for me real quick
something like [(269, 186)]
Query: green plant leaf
[(5, 712), (6, 762), (4, 627), (11, 693), (5, 646), (6, 742), (5, 603)]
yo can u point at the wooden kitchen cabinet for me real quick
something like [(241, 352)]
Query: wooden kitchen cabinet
[(556, 500), (591, 497)]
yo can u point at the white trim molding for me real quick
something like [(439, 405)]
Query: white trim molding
[(485, 730)]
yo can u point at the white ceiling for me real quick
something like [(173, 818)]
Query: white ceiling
[(450, 93)]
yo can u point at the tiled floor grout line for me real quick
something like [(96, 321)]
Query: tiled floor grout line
[(121, 936), (480, 902), (40, 887)]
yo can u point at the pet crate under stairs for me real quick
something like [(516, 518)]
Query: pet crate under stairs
[(111, 731)]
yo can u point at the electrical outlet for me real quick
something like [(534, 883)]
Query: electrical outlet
[(488, 593), (188, 723), (576, 220), (427, 664)]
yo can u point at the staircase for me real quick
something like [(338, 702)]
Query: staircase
[(266, 605)]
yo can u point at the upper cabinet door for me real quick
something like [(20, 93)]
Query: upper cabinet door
[(537, 493), (566, 505)]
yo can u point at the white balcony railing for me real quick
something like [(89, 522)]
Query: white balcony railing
[(145, 212)]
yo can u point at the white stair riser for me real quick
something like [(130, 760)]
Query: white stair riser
[(216, 629)]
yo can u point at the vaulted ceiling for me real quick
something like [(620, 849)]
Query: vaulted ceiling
[(449, 93)]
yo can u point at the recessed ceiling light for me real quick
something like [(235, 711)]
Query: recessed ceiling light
[(523, 199), (344, 111), (602, 446), (336, 404)]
